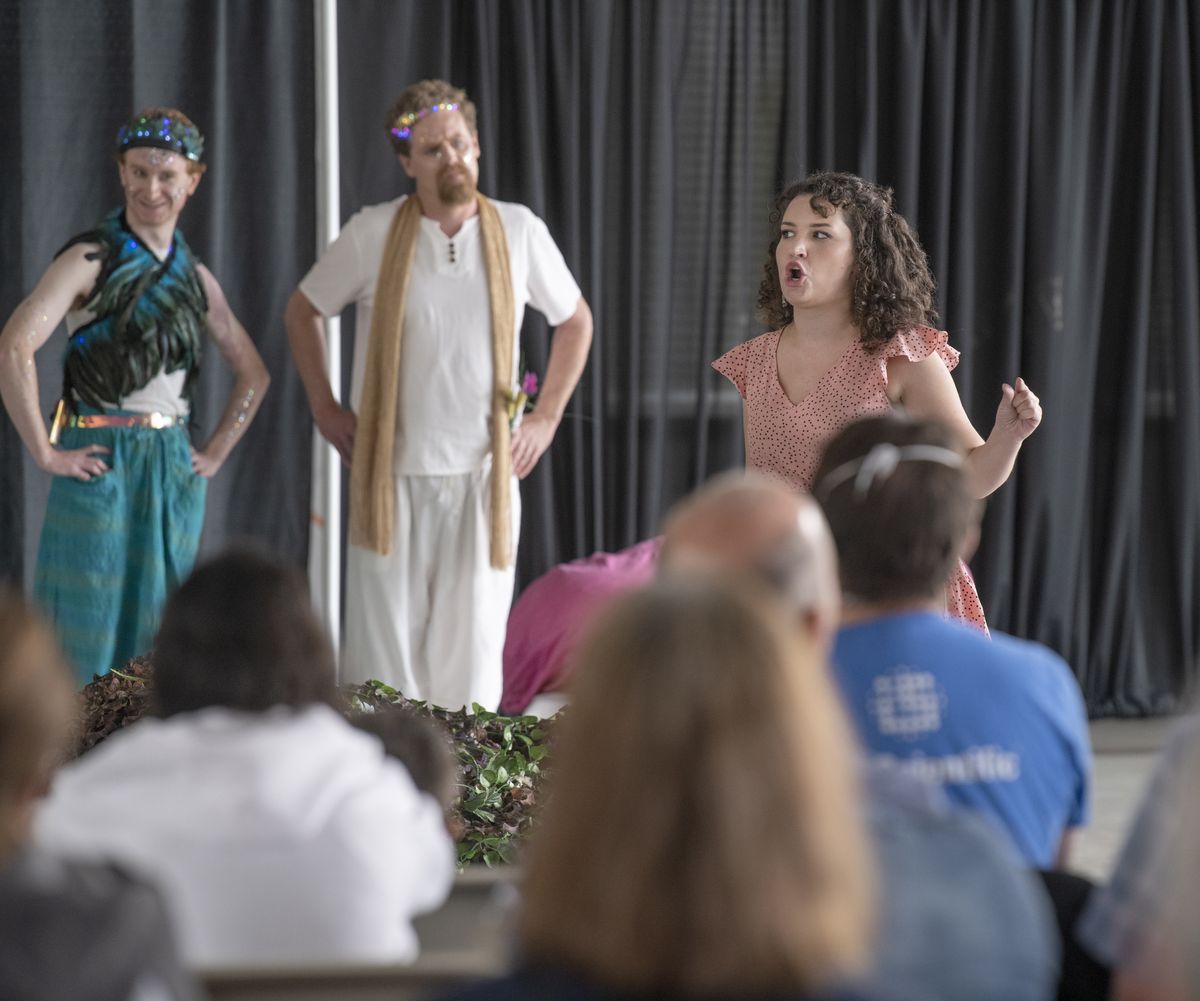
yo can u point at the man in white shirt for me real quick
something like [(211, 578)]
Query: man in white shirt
[(433, 531), (278, 833)]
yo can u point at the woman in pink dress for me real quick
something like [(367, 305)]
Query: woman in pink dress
[(848, 294)]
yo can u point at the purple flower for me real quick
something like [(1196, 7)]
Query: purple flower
[(529, 384)]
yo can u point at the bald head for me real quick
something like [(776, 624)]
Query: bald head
[(747, 524)]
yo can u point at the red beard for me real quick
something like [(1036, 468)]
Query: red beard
[(456, 186)]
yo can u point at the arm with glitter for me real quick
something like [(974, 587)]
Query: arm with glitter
[(68, 279), (250, 378)]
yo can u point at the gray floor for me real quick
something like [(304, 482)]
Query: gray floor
[(1124, 755)]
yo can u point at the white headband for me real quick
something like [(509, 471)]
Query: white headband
[(879, 463)]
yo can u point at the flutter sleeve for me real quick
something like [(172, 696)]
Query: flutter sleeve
[(734, 364), (918, 343)]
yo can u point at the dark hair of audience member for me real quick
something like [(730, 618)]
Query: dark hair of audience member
[(420, 744), (899, 539), (241, 633), (36, 711), (702, 833)]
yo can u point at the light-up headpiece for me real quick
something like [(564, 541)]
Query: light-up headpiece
[(402, 129), (161, 132)]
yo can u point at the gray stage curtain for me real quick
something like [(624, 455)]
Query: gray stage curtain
[(1045, 149)]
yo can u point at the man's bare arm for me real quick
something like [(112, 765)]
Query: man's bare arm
[(306, 338), (68, 279), (251, 378), (569, 347)]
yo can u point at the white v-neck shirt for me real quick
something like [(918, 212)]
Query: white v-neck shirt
[(445, 391)]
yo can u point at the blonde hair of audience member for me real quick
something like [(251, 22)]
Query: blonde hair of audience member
[(36, 711), (703, 831), (748, 524)]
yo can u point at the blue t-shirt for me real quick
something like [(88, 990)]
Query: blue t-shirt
[(1000, 724)]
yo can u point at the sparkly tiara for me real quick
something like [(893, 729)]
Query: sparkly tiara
[(162, 133), (403, 127)]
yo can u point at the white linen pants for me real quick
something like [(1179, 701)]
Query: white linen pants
[(430, 618)]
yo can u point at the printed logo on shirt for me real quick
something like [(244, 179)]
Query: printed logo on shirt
[(906, 703), (990, 763)]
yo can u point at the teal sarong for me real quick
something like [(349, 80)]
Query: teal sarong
[(113, 548)]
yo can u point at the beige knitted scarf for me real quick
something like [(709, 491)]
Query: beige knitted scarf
[(372, 483)]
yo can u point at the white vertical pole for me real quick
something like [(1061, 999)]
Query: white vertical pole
[(325, 528)]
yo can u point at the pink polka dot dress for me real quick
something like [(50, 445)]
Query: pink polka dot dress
[(785, 439)]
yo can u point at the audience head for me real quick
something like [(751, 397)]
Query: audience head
[(752, 526), (892, 285), (37, 708), (702, 833), (897, 500), (241, 633), (1162, 943), (418, 743), (1183, 911)]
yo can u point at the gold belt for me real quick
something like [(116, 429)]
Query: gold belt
[(153, 420)]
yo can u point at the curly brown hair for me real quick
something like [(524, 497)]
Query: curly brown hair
[(892, 285), (425, 94)]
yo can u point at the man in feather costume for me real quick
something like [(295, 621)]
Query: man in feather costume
[(126, 503)]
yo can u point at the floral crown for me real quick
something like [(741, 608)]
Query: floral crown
[(403, 127), (161, 132)]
